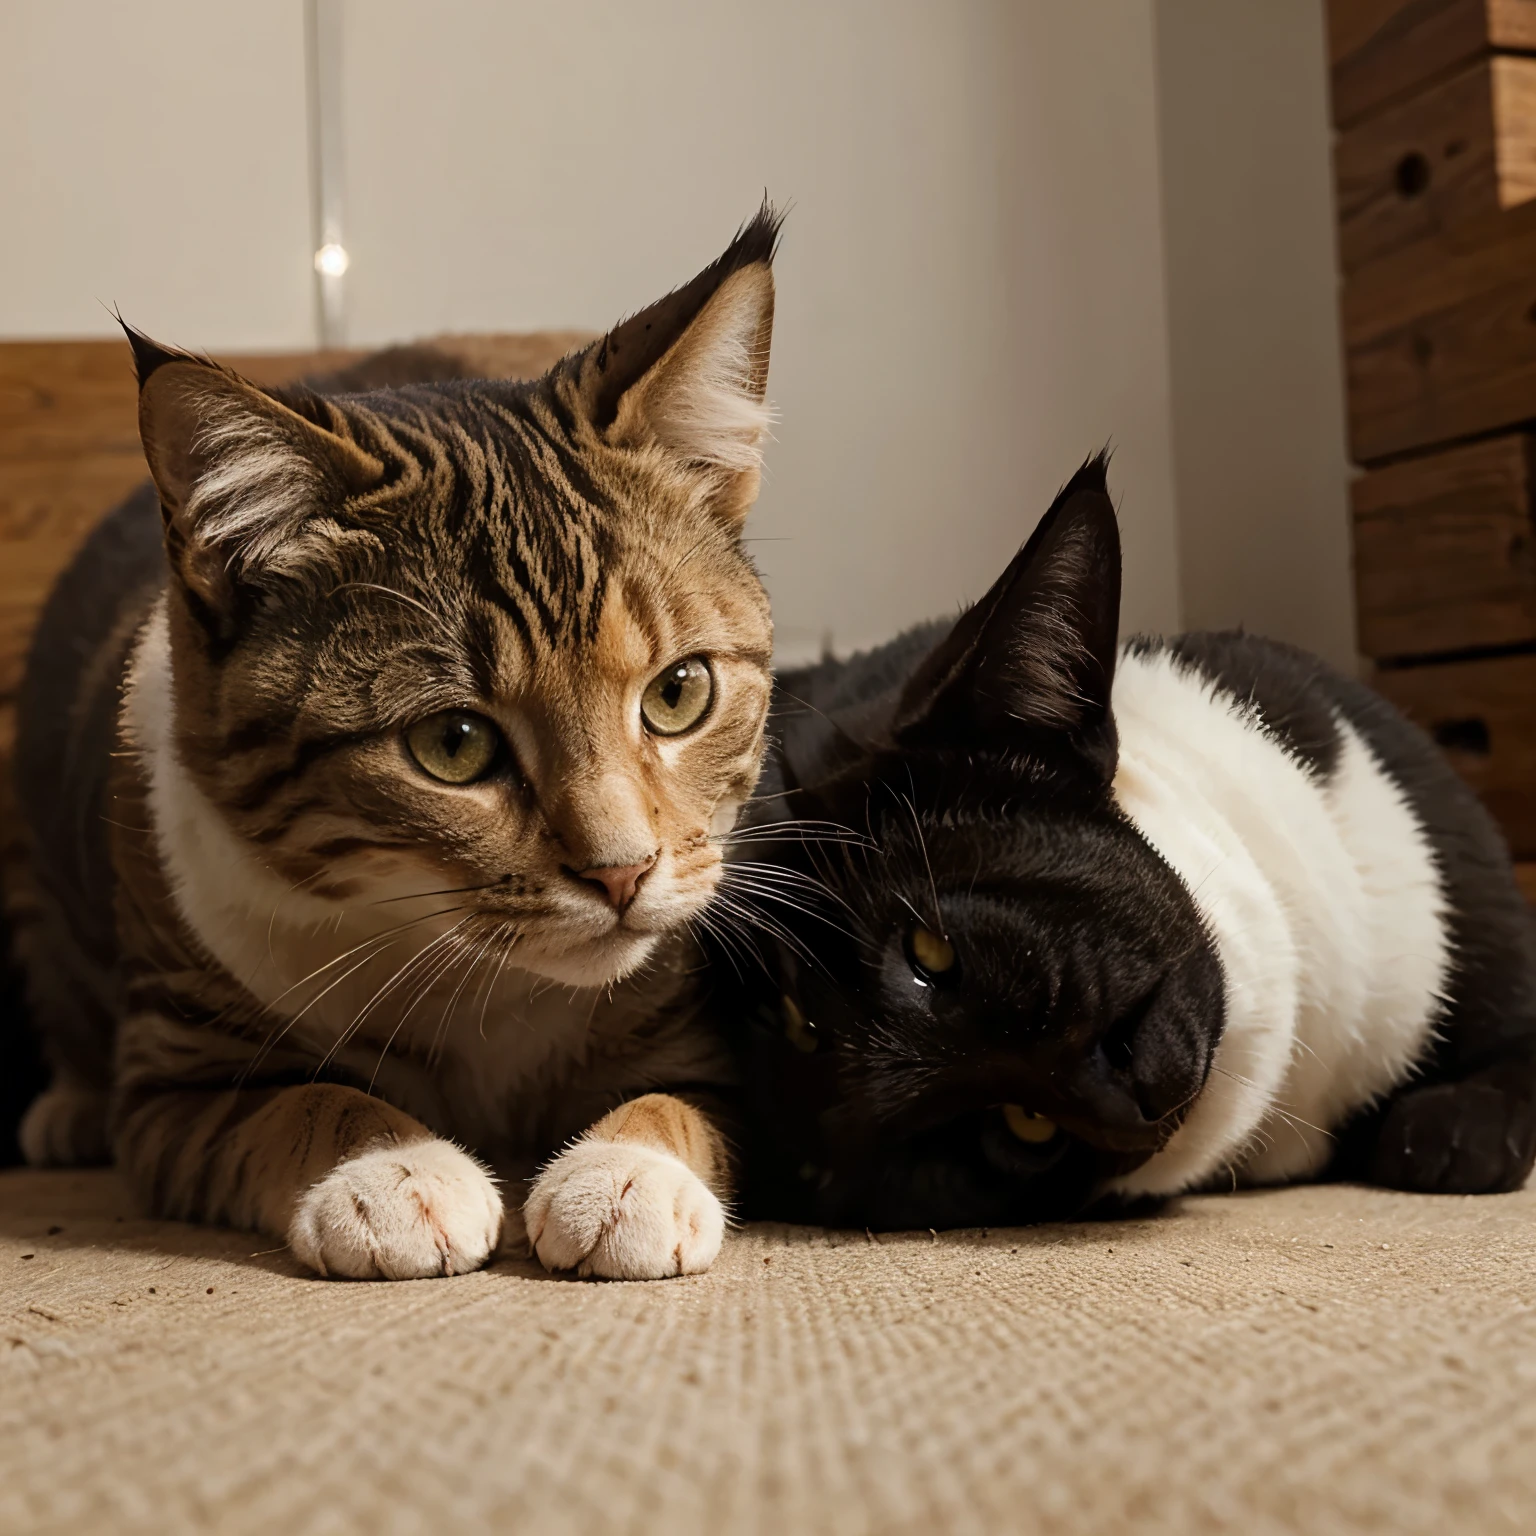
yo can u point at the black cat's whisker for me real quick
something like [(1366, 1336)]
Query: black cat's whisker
[(814, 709), (922, 843), (807, 829), (1195, 890), (1274, 1105), (910, 908)]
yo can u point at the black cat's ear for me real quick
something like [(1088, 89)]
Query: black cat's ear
[(1031, 665), (690, 373), (238, 471)]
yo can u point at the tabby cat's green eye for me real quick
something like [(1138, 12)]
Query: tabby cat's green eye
[(678, 698), (931, 953), (454, 746)]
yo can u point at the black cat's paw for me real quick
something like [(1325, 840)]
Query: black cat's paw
[(1469, 1138)]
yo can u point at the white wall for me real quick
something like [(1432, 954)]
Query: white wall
[(154, 155), (1258, 401), (973, 288)]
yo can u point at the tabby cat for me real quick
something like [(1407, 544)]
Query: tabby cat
[(375, 764), (1062, 919)]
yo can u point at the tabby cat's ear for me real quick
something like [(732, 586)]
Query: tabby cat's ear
[(238, 471), (690, 373), (1030, 666)]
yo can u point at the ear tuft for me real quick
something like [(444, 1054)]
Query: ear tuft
[(690, 372), (148, 354), (708, 400), (1031, 666), (238, 471), (253, 488)]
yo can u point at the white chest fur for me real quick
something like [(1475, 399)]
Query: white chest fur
[(322, 970), (1326, 908)]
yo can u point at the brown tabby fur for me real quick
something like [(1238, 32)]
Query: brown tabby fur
[(323, 961)]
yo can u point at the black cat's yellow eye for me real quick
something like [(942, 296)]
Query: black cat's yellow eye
[(931, 953), (454, 746), (798, 1029), (1035, 1129), (678, 698)]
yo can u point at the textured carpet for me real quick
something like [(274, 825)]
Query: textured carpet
[(1310, 1360)]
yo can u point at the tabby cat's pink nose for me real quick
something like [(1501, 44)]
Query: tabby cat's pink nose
[(619, 881)]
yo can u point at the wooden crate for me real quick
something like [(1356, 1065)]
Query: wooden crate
[(1463, 149), (1435, 171), (1481, 714), (1440, 338), (1382, 50), (1445, 558)]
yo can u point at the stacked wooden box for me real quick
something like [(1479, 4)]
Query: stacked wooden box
[(1435, 163)]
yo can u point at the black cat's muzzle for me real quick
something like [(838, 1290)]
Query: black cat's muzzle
[(1124, 1088)]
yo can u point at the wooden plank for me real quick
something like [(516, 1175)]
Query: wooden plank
[(60, 396), (1525, 877), (1440, 337), (1482, 714), (1454, 373), (1382, 50), (1463, 149), (1511, 24), (1444, 553), (1455, 264), (46, 510)]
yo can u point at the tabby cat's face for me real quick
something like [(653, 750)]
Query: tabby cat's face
[(492, 640)]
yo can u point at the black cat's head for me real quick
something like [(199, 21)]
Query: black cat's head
[(998, 996)]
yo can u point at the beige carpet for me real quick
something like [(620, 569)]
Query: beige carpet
[(1311, 1360)]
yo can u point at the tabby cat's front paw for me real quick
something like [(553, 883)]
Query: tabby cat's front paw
[(623, 1211), (66, 1127), (399, 1213)]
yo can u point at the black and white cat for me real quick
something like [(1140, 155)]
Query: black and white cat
[(1064, 918)]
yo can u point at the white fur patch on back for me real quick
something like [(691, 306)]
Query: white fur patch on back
[(1314, 893), (1347, 1057)]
